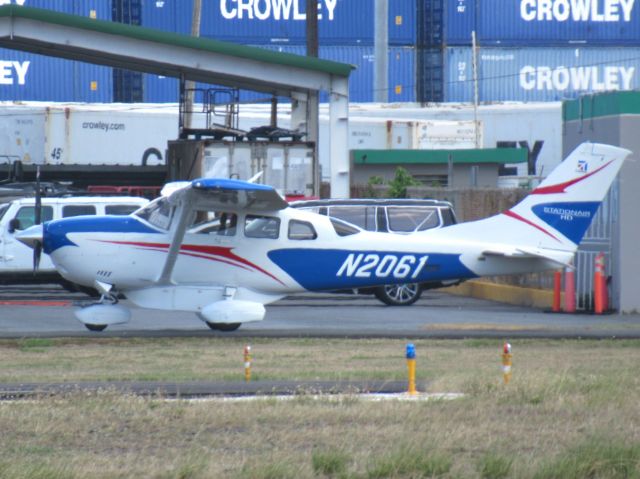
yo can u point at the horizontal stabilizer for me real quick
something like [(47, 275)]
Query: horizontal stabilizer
[(557, 257)]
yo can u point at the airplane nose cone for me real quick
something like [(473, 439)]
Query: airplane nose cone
[(30, 236)]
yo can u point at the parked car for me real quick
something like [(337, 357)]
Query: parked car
[(394, 216), (16, 259)]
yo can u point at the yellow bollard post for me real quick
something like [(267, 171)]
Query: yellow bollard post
[(506, 363), (411, 366), (247, 363)]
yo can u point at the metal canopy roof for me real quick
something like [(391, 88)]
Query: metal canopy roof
[(163, 53)]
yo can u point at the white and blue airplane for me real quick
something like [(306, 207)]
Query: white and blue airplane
[(224, 248)]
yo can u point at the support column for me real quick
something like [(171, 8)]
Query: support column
[(339, 136), (381, 50)]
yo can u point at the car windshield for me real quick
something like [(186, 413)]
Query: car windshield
[(362, 217), (407, 219), (3, 209)]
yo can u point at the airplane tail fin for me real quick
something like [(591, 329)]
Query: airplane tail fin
[(556, 214)]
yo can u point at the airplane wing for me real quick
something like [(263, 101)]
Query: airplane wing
[(228, 195), (214, 194)]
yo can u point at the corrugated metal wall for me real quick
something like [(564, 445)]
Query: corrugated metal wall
[(598, 239)]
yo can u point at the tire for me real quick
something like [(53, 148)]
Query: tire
[(399, 294), (96, 327), (224, 327)]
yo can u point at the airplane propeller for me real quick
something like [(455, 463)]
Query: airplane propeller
[(37, 248)]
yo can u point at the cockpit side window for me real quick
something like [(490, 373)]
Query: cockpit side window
[(158, 213), (301, 230), (257, 226), (221, 223)]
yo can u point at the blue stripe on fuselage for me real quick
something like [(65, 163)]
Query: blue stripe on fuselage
[(55, 232), (326, 269)]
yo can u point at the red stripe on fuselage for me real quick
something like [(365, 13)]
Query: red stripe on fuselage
[(201, 251)]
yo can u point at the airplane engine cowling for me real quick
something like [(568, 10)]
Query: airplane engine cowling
[(232, 311)]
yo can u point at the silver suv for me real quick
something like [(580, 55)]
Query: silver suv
[(396, 216)]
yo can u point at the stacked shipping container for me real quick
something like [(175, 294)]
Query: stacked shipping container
[(538, 50), (27, 76), (345, 31), (528, 50), (346, 34)]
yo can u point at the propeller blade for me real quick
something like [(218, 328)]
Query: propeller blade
[(37, 247), (37, 252), (38, 205)]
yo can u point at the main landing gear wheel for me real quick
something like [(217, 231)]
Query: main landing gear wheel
[(96, 327), (224, 327), (399, 294)]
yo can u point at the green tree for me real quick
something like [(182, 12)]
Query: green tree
[(398, 186), (371, 192)]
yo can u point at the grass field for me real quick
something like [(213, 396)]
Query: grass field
[(572, 410)]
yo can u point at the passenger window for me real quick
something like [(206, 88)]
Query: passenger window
[(256, 226), (78, 210), (301, 230), (361, 216), (120, 209), (407, 219), (27, 216)]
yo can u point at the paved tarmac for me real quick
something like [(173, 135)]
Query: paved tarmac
[(436, 315), (46, 312)]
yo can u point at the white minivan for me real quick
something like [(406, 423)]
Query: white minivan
[(16, 259)]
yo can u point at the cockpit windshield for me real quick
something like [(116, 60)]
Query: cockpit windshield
[(343, 228), (158, 213)]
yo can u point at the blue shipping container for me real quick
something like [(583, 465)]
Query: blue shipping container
[(402, 75), (543, 22), (340, 22), (30, 77), (100, 9), (539, 74)]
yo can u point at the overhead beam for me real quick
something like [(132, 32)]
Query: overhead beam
[(163, 53)]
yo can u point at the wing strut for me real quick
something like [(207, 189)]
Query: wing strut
[(185, 214)]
